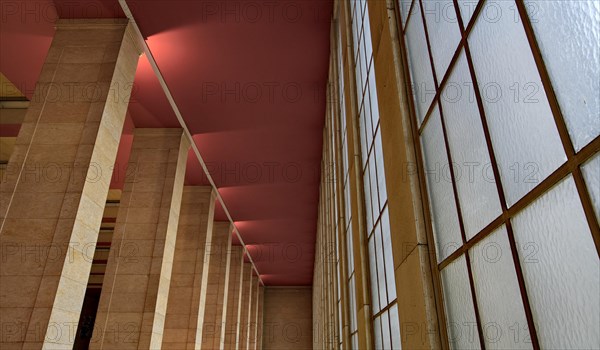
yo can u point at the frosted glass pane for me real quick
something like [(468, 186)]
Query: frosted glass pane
[(385, 331), (404, 8), (568, 34), (374, 189), (591, 173), (460, 314), (373, 273), (443, 207), (353, 317), (475, 180), (374, 102), (395, 328), (418, 60), (350, 250), (561, 269), (368, 207), (444, 34), (526, 142), (380, 169), (467, 7), (389, 259), (377, 333), (380, 268), (501, 310)]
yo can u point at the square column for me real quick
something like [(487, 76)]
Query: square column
[(242, 339), (54, 190), (195, 229), (234, 296), (133, 303), (215, 309), (252, 320)]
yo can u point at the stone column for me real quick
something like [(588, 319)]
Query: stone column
[(242, 340), (234, 296), (133, 303), (216, 292), (252, 329), (54, 190), (259, 317), (195, 228)]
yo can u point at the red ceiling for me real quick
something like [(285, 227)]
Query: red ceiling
[(249, 79)]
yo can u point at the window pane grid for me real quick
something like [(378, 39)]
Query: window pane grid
[(572, 161)]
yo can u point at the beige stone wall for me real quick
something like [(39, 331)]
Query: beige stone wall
[(287, 318)]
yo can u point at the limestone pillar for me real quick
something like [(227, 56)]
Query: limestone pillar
[(133, 303), (195, 228), (54, 189), (259, 317), (215, 308), (234, 296)]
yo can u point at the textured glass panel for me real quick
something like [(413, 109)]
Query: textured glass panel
[(462, 325), (374, 103), (374, 189), (377, 333), (418, 60), (591, 173), (395, 328), (467, 7), (404, 9), (444, 34), (389, 259), (568, 34), (385, 331), (561, 269), (472, 170), (380, 268), (501, 310), (380, 169), (443, 207), (526, 142), (350, 250), (368, 199), (373, 273), (353, 320)]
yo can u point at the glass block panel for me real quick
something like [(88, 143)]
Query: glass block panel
[(443, 207), (373, 273), (418, 61), (524, 135), (591, 173), (467, 7), (443, 31), (395, 328), (460, 314), (475, 180), (561, 269), (501, 311), (568, 33)]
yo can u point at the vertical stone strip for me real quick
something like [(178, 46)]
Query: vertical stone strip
[(133, 303), (242, 340), (216, 291), (54, 189), (234, 296), (195, 225), (252, 324), (259, 317)]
